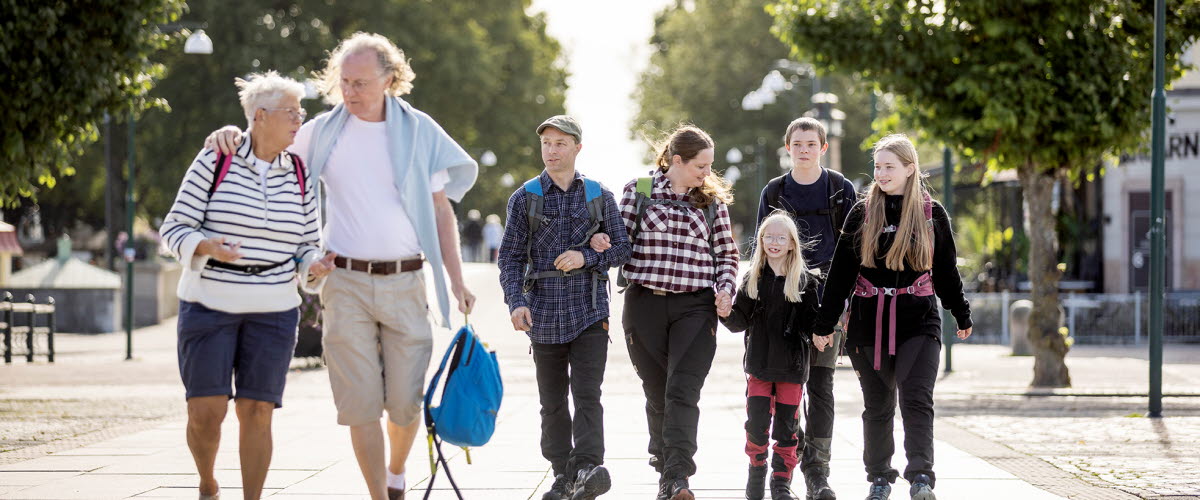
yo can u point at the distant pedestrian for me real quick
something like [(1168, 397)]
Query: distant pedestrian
[(493, 235), (895, 253), (472, 236), (776, 306)]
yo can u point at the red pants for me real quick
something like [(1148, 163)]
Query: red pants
[(780, 400)]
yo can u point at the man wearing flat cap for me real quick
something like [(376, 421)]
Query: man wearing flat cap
[(555, 285)]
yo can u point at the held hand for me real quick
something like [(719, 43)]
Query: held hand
[(569, 260), (822, 341), (466, 299), (224, 140), (217, 248), (522, 320), (724, 304), (322, 267), (600, 242), (963, 334)]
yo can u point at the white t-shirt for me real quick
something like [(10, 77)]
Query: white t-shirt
[(364, 217)]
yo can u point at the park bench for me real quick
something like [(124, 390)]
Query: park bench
[(19, 320)]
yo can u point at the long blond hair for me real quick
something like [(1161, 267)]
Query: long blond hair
[(795, 267), (687, 141), (914, 242)]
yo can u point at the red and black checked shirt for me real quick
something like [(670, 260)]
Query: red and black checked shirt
[(671, 250)]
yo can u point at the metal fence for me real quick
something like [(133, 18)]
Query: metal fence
[(1094, 318)]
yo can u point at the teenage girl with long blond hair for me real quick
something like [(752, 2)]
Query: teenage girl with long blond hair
[(776, 306), (895, 253)]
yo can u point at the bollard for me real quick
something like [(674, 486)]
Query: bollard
[(32, 321), (8, 324), (50, 329), (1018, 326)]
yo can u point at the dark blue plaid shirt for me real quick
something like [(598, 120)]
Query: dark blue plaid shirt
[(561, 307)]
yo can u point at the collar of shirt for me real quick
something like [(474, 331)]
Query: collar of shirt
[(246, 152), (548, 183)]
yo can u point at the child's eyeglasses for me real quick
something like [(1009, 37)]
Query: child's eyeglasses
[(779, 240)]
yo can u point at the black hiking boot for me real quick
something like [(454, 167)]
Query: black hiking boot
[(818, 487), (591, 482), (756, 482), (680, 490), (781, 489), (560, 490)]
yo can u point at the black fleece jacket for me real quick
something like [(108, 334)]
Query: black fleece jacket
[(775, 350), (914, 315)]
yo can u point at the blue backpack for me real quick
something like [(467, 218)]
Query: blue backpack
[(470, 400), (534, 203)]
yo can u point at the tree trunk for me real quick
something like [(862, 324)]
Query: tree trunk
[(1049, 346)]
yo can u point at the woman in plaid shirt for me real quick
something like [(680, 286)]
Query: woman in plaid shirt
[(681, 278)]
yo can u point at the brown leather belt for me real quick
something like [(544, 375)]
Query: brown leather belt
[(382, 267)]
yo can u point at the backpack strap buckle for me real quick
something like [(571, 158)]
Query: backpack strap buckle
[(888, 291)]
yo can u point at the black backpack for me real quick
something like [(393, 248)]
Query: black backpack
[(836, 183)]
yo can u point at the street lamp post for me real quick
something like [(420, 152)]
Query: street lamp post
[(1157, 207)]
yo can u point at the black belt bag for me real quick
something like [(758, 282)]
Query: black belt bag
[(250, 269)]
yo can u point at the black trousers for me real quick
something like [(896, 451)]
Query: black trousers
[(819, 404), (576, 367), (818, 421), (671, 340), (911, 372)]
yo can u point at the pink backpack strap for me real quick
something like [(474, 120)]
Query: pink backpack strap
[(223, 163), (300, 174)]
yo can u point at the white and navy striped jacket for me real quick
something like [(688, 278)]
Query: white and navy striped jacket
[(269, 219)]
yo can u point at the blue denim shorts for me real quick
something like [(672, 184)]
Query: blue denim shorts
[(220, 350)]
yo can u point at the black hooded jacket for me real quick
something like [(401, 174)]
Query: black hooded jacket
[(915, 315), (778, 333)]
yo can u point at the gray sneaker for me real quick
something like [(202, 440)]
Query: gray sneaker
[(880, 489), (921, 488)]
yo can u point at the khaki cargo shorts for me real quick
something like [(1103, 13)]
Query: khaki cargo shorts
[(377, 341)]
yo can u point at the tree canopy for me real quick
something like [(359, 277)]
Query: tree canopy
[(61, 68), (486, 71), (708, 54)]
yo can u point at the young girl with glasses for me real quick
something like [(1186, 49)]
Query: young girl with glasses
[(776, 306)]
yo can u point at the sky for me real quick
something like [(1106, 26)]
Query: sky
[(607, 46)]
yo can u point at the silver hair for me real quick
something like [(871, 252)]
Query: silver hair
[(391, 59), (264, 90)]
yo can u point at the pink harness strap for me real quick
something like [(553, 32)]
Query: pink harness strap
[(921, 287)]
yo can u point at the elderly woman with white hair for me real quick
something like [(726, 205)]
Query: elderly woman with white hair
[(246, 230)]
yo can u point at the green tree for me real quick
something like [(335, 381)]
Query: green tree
[(1047, 87), (486, 71), (708, 54), (63, 66)]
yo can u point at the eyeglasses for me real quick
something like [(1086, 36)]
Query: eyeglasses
[(293, 114), (779, 240), (360, 85)]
